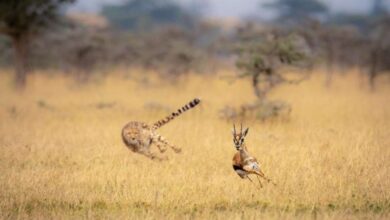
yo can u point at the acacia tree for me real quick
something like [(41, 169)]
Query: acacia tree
[(266, 58), (21, 20)]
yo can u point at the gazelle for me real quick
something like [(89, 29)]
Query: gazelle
[(243, 163)]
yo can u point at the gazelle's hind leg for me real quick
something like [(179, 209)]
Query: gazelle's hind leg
[(261, 174), (160, 140)]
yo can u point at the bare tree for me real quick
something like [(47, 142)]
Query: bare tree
[(336, 46), (379, 53)]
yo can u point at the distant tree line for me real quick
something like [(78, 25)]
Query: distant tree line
[(172, 40)]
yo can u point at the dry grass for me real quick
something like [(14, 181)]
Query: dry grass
[(61, 154)]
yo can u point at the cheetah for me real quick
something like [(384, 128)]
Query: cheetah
[(139, 136)]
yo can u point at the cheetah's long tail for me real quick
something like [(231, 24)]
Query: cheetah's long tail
[(175, 114)]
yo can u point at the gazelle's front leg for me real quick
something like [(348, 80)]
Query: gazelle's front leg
[(258, 178)]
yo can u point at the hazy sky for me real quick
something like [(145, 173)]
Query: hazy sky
[(240, 8)]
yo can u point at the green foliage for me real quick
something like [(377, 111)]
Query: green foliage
[(146, 14), (18, 17)]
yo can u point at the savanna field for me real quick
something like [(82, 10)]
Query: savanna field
[(62, 156)]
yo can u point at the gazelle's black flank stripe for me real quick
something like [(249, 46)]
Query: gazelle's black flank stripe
[(179, 111)]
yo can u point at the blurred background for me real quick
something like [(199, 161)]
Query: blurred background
[(175, 37), (260, 40)]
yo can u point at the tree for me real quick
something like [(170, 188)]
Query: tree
[(266, 59), (297, 11), (21, 20), (379, 52), (364, 22), (263, 60), (334, 46), (378, 8)]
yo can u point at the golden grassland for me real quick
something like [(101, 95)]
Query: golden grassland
[(61, 154)]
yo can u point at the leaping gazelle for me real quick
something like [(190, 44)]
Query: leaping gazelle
[(243, 163)]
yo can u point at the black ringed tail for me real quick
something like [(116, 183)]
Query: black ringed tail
[(176, 113)]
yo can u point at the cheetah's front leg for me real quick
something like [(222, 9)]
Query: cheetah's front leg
[(160, 141), (162, 147), (151, 155)]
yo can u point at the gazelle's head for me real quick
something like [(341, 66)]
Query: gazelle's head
[(239, 137)]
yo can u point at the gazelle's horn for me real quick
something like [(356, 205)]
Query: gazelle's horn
[(234, 128), (241, 128)]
